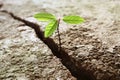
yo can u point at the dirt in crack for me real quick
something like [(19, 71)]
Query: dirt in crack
[(70, 63)]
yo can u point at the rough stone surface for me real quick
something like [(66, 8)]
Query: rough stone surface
[(92, 53), (94, 43), (22, 55)]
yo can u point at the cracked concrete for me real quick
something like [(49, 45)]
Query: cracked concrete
[(94, 44), (24, 57)]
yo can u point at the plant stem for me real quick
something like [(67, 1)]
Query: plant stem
[(59, 35)]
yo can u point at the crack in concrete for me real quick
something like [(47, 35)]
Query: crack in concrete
[(70, 63), (1, 5)]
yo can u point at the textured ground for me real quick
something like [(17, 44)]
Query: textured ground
[(94, 43)]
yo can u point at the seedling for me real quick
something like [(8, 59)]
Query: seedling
[(53, 23)]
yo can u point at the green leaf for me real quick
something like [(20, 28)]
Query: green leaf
[(73, 19), (50, 28), (44, 16)]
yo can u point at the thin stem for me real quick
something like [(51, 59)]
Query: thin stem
[(59, 35)]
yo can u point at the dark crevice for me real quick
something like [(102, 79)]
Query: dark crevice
[(1, 5), (75, 67)]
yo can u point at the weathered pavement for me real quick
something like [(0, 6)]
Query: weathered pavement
[(19, 43)]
